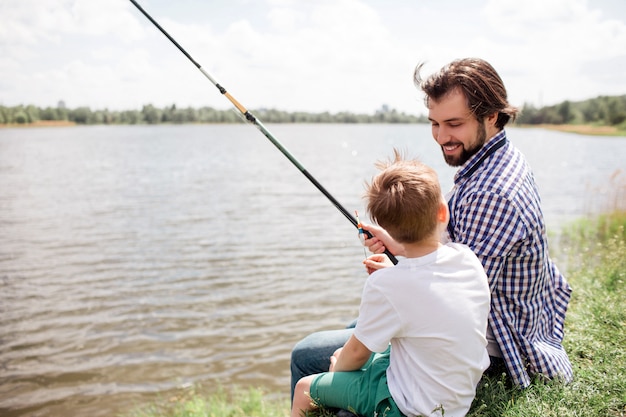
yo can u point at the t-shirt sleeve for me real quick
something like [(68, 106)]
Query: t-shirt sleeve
[(378, 320)]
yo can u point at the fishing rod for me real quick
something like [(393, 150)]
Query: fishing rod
[(256, 122)]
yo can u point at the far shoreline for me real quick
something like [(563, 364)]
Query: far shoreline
[(590, 130), (40, 123)]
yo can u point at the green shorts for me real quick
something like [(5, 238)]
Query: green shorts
[(362, 392)]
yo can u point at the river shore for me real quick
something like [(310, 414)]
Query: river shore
[(40, 123), (591, 130)]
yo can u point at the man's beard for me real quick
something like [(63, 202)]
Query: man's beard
[(467, 153)]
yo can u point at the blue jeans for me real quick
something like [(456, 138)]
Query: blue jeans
[(311, 355)]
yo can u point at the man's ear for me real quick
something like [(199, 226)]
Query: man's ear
[(492, 119)]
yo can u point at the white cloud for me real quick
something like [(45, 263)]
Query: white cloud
[(336, 55), (552, 42)]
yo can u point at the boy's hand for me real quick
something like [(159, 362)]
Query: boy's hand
[(381, 240), (376, 262), (333, 359)]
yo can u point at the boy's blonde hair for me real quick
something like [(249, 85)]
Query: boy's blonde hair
[(404, 198)]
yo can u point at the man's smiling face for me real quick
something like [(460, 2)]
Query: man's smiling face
[(455, 128)]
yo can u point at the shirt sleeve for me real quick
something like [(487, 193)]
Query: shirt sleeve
[(378, 320)]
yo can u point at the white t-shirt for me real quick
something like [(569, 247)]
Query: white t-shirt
[(433, 310)]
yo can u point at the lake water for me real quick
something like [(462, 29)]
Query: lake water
[(135, 260)]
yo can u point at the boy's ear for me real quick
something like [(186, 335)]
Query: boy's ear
[(443, 214)]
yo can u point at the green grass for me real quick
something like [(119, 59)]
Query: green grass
[(594, 252), (595, 336), (195, 402)]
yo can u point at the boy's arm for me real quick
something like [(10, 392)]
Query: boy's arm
[(352, 357)]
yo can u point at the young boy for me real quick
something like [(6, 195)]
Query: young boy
[(426, 317)]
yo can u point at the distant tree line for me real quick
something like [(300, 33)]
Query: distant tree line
[(603, 110), (150, 114)]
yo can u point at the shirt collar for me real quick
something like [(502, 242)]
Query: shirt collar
[(492, 145)]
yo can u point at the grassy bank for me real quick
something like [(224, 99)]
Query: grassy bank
[(594, 252), (591, 130), (594, 255), (40, 123)]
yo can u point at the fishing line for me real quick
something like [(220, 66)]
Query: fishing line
[(256, 122)]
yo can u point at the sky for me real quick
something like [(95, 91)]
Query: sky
[(302, 55)]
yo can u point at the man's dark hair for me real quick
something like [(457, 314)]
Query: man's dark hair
[(480, 83)]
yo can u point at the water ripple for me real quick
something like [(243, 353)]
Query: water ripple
[(135, 260)]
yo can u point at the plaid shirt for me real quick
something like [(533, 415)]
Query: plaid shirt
[(495, 210)]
